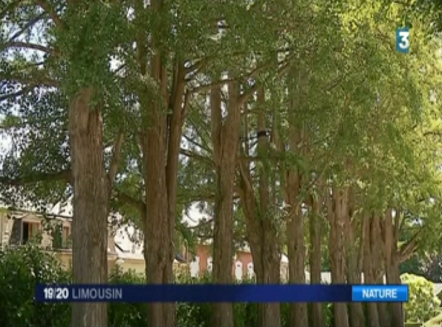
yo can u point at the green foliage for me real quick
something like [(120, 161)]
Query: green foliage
[(365, 111), (20, 270), (126, 314), (23, 267), (423, 304), (425, 265)]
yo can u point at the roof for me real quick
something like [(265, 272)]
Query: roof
[(129, 244)]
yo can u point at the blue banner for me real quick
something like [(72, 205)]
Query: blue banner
[(380, 293), (213, 293)]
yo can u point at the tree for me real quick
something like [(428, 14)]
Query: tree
[(345, 143), (73, 75)]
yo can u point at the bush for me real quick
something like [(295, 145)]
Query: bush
[(126, 314), (423, 304), (20, 270), (23, 267)]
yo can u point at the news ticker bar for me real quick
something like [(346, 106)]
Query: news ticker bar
[(221, 293)]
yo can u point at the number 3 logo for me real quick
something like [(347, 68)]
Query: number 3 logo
[(405, 41)]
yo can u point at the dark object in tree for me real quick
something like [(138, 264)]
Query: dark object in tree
[(263, 133)]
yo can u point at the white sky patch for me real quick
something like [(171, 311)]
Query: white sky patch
[(5, 142)]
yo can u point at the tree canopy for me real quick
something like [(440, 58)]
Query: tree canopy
[(296, 126)]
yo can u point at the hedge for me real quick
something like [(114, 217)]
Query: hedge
[(23, 267)]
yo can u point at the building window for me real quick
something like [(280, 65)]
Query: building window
[(30, 231)]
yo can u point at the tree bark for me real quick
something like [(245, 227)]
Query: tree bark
[(337, 209), (316, 257), (225, 138), (396, 309), (392, 262), (354, 265), (158, 247), (261, 229), (295, 247), (369, 277), (292, 189), (159, 138), (160, 145), (90, 205), (377, 253), (296, 254)]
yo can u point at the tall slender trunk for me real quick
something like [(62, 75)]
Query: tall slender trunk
[(392, 264), (292, 189), (160, 144), (295, 247), (296, 255), (337, 209), (90, 205), (160, 137), (369, 277), (316, 257), (158, 246), (261, 228), (354, 264), (225, 138), (377, 253), (396, 309)]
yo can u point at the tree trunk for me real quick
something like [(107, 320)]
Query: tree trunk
[(267, 272), (261, 229), (369, 278), (337, 211), (90, 206), (296, 254), (316, 257), (158, 243), (296, 249), (225, 137), (160, 145), (392, 264), (354, 264), (377, 253), (293, 183), (396, 309), (160, 137)]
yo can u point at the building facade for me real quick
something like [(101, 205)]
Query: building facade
[(53, 233)]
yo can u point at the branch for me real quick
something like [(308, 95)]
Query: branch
[(51, 12), (26, 45), (207, 87), (15, 94), (130, 200), (432, 133), (197, 66), (28, 25), (193, 155), (38, 80), (221, 82), (207, 197), (197, 144), (116, 156), (247, 94), (38, 177), (408, 249)]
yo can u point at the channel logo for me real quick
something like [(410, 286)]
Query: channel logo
[(403, 40)]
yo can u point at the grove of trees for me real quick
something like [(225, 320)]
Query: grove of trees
[(296, 125)]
